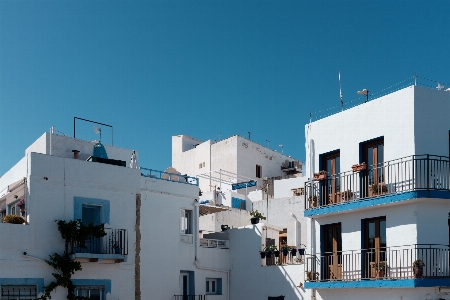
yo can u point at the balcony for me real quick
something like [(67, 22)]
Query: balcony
[(169, 176), (380, 267), (212, 243), (420, 175), (113, 246), (189, 297)]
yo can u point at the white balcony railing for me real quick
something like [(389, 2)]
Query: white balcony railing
[(211, 243)]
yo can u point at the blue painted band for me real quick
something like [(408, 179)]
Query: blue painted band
[(39, 282), (400, 283), (78, 204), (94, 282), (386, 199)]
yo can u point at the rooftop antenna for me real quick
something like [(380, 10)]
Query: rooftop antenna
[(249, 134), (281, 145), (364, 92), (340, 91), (268, 143), (98, 130)]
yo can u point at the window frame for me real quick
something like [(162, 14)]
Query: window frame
[(217, 284), (89, 288), (186, 221), (15, 297)]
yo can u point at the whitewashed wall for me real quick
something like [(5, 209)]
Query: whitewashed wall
[(391, 116), (284, 187), (233, 217), (52, 199)]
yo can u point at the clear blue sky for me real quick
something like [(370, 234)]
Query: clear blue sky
[(154, 69)]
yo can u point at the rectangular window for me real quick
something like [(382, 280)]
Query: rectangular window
[(186, 221), (91, 292), (214, 286), (258, 171), (22, 292)]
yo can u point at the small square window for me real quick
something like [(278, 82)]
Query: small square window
[(213, 286), (258, 171), (91, 292)]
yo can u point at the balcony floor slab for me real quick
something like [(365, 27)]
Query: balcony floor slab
[(369, 202), (381, 283)]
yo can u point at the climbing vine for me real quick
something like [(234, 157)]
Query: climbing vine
[(73, 233)]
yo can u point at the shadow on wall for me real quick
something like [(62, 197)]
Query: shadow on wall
[(251, 280)]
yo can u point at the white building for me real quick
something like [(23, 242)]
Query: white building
[(232, 160), (152, 249), (369, 226)]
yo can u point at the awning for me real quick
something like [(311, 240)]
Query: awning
[(210, 209), (16, 191)]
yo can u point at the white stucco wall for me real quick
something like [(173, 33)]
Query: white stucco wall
[(286, 213), (52, 199), (232, 217), (284, 187), (391, 117)]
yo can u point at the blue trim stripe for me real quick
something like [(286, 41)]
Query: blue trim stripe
[(364, 284), (94, 282), (364, 203), (78, 204), (39, 282)]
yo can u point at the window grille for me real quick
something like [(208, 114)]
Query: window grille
[(19, 292), (92, 291)]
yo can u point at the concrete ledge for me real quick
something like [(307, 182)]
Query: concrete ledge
[(368, 202), (92, 257), (382, 283)]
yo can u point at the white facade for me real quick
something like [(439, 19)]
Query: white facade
[(235, 154), (390, 214), (156, 219)]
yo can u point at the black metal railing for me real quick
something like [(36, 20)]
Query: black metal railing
[(114, 242), (189, 297), (416, 172), (383, 263)]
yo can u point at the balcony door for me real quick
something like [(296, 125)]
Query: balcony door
[(184, 285), (91, 215), (374, 244), (374, 157), (332, 252), (331, 164)]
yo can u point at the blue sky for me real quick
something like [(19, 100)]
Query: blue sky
[(154, 69)]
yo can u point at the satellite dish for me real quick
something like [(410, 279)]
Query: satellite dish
[(171, 171), (98, 130)]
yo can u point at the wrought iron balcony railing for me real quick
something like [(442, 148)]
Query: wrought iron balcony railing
[(189, 297), (401, 262), (114, 242), (169, 176), (416, 172)]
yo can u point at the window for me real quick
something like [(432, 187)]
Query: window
[(93, 292), (258, 171), (201, 165), (186, 221), (214, 286), (16, 292), (238, 203)]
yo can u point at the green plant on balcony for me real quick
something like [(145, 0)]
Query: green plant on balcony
[(73, 232), (347, 195), (418, 268), (312, 276), (378, 188), (14, 219), (380, 269), (285, 249), (313, 200), (256, 216)]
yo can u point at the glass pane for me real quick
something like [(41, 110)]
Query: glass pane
[(207, 286), (95, 295), (338, 238), (329, 241), (213, 282), (371, 235), (383, 233)]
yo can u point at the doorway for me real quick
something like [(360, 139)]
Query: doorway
[(375, 245), (373, 155), (332, 263), (331, 164), (90, 214)]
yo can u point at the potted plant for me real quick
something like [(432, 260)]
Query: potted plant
[(378, 189), (256, 216), (285, 249), (313, 201), (347, 195), (380, 269), (312, 276), (14, 219), (293, 251), (322, 175), (418, 268), (117, 248), (263, 254), (301, 251), (359, 167), (271, 249)]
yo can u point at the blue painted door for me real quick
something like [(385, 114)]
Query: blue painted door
[(91, 215)]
